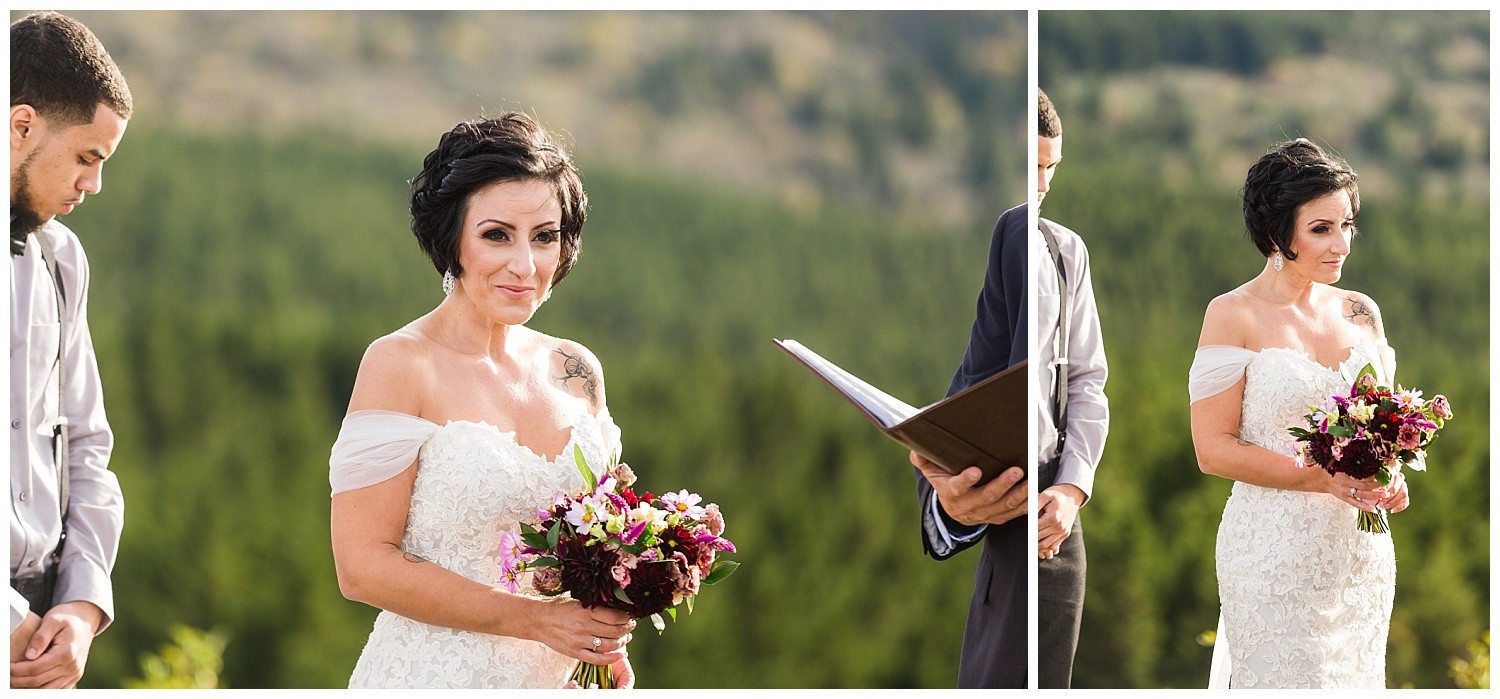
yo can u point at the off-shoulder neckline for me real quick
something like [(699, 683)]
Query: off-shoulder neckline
[(1377, 344)]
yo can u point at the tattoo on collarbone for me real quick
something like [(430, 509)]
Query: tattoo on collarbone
[(575, 368), (413, 558), (1358, 310)]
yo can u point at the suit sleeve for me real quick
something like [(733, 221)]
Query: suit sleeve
[(997, 340)]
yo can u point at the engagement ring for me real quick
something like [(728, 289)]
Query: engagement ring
[(597, 641), (1351, 491)]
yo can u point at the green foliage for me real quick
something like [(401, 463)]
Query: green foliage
[(192, 660), (1473, 670), (236, 283)]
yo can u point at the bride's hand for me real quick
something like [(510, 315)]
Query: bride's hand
[(1362, 493), (624, 675), (1397, 499), (566, 627)]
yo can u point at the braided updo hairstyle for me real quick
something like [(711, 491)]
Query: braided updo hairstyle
[(476, 154), (1289, 175)]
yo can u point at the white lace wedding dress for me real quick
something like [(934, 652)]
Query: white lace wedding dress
[(1305, 596), (473, 483)]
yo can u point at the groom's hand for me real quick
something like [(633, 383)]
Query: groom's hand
[(997, 502), (56, 655), (1057, 508)]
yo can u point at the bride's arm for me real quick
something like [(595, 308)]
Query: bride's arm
[(1216, 425), (1221, 452), (367, 525)]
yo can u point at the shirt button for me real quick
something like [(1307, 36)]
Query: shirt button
[(15, 424)]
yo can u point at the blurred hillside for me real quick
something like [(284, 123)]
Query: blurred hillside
[(1198, 96), (1162, 115), (912, 112)]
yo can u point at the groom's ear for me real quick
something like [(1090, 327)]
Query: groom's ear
[(24, 123)]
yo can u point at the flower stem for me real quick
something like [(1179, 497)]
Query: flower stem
[(590, 676)]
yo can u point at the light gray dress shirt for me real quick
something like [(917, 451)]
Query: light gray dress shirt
[(97, 510), (1088, 409)]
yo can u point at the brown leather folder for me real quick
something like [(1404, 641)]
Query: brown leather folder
[(983, 425)]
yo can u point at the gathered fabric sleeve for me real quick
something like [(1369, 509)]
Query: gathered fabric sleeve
[(374, 446), (610, 432), (1216, 368)]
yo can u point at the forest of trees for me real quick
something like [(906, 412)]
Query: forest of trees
[(828, 177)]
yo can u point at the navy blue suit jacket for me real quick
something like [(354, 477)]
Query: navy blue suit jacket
[(995, 637)]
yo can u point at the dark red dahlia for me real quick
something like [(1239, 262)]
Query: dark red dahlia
[(652, 586), (1358, 460), (1320, 449), (586, 572)]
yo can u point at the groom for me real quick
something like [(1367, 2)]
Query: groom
[(1073, 418), (68, 109)]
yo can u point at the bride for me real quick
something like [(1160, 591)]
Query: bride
[(463, 423), (1305, 596)]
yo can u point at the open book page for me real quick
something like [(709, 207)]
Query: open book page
[(882, 406)]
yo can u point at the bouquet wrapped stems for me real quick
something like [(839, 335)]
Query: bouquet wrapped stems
[(591, 676), (1377, 522)]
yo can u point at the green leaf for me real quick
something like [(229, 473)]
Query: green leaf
[(690, 603), (657, 621), (1369, 369), (552, 536), (1298, 432), (672, 612), (722, 569), (620, 595), (1383, 476), (543, 562), (534, 540), (583, 468), (1340, 431)]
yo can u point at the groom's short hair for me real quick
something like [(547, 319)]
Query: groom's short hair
[(1048, 124), (60, 69), (1289, 175)]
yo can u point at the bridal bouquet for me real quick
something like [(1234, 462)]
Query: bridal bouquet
[(609, 547), (1371, 432)]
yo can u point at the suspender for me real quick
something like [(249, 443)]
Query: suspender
[(1065, 317), (60, 430)]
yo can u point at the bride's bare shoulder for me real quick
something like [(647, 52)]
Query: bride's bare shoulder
[(1228, 319), (394, 374)]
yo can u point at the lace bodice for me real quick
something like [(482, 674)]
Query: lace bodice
[(1281, 383), (473, 483), (1306, 597)]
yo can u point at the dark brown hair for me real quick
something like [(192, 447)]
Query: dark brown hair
[(1048, 124), (1289, 175), (59, 68), (475, 154)]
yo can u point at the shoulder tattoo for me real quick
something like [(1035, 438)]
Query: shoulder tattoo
[(1359, 313), (575, 368)]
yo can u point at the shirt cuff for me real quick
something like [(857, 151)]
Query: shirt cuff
[(84, 581), (19, 608), (1075, 471), (944, 532)]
